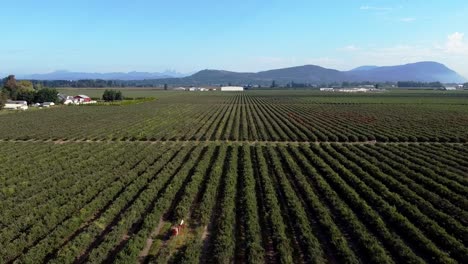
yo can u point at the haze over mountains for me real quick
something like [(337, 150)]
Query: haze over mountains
[(73, 76), (420, 71)]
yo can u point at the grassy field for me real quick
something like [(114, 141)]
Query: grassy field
[(127, 92), (257, 177)]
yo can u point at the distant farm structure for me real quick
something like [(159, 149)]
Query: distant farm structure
[(75, 100), (232, 88), (351, 90), (198, 89), (16, 105), (195, 89)]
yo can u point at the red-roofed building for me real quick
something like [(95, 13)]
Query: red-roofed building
[(82, 98)]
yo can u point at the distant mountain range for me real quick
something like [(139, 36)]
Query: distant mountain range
[(421, 71), (73, 76)]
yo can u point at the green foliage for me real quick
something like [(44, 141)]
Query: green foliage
[(46, 95), (27, 95), (25, 91), (25, 85), (10, 87), (112, 95)]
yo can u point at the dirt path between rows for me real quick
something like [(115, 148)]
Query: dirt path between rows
[(149, 242)]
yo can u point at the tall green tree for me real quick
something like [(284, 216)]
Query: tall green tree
[(25, 85), (27, 95), (10, 87), (25, 91), (46, 95), (112, 95)]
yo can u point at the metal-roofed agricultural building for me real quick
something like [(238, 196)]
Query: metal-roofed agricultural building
[(232, 88)]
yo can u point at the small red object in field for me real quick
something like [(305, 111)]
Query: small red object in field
[(175, 231)]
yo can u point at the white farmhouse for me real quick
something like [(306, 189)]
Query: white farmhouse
[(16, 105), (232, 88)]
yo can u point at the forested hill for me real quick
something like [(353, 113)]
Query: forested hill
[(307, 74)]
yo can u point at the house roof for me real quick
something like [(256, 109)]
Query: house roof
[(64, 96), (82, 96)]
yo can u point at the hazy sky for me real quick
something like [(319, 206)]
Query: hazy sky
[(151, 35)]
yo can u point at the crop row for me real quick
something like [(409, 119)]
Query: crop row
[(273, 203)]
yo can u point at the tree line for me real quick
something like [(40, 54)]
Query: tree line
[(99, 83), (408, 84), (25, 91)]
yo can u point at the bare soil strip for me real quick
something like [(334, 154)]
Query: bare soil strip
[(149, 242)]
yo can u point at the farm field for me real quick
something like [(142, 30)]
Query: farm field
[(257, 177), (254, 116)]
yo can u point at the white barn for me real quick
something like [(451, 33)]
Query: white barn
[(16, 105), (232, 88)]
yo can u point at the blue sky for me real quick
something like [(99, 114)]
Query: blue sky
[(144, 35)]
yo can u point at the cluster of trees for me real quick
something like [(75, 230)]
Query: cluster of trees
[(408, 84), (26, 91), (112, 95), (300, 85), (465, 85)]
